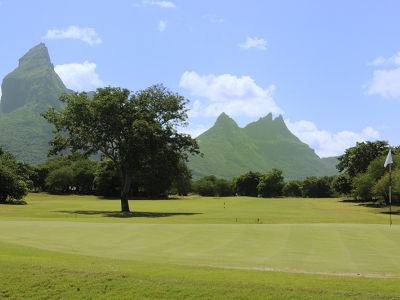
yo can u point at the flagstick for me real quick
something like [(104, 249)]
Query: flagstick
[(390, 194)]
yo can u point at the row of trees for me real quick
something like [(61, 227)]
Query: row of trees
[(80, 175), (272, 184), (362, 176)]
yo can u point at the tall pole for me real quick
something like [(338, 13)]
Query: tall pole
[(390, 194)]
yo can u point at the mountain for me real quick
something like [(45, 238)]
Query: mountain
[(27, 91), (260, 146)]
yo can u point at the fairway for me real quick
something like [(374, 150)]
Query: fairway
[(302, 237)]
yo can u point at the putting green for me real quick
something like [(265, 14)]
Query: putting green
[(366, 249)]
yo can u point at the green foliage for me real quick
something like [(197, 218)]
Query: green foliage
[(373, 184), (292, 189), (136, 132), (212, 186), (246, 184), (356, 159), (230, 151), (271, 184), (341, 184), (314, 187), (107, 181), (13, 179), (60, 180), (182, 183), (362, 187)]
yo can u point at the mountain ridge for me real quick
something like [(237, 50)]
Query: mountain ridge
[(229, 151)]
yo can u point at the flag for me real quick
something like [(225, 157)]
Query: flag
[(389, 159)]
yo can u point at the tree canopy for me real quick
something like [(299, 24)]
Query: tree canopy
[(132, 130), (357, 159)]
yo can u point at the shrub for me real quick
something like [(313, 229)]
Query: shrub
[(246, 184), (271, 184), (292, 189)]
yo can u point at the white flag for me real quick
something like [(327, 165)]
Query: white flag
[(389, 159)]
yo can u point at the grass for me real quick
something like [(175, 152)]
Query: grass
[(81, 247)]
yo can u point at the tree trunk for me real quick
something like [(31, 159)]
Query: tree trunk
[(125, 187)]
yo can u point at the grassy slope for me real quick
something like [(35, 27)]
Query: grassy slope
[(55, 245)]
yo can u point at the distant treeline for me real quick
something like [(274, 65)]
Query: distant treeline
[(362, 176)]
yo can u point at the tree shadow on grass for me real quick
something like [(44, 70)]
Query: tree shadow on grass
[(135, 214), (138, 198), (14, 202), (396, 212), (364, 203)]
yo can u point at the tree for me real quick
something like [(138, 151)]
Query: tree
[(317, 187), (213, 186), (342, 184), (83, 171), (107, 180), (13, 180), (292, 189), (356, 159), (125, 128), (183, 180), (205, 186), (60, 180), (271, 184), (246, 184)]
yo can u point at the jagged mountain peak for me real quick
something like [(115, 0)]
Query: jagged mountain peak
[(225, 120), (37, 56), (267, 143), (34, 80)]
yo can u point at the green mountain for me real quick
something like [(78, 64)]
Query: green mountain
[(260, 146), (26, 92)]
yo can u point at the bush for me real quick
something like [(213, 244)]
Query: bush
[(292, 189), (13, 178), (246, 184), (12, 187), (271, 184), (314, 187), (60, 180), (341, 184), (224, 188), (212, 186), (107, 181)]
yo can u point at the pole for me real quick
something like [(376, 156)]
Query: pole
[(390, 194)]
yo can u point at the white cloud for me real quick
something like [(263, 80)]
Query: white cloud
[(236, 96), (79, 77), (254, 42), (163, 4), (326, 143), (87, 35), (386, 61), (385, 81), (162, 25)]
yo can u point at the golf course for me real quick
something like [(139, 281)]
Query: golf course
[(198, 247)]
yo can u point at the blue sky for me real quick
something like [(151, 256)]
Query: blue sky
[(331, 68)]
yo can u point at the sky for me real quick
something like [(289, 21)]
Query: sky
[(331, 68)]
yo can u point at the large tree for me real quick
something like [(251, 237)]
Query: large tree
[(357, 159), (127, 128)]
